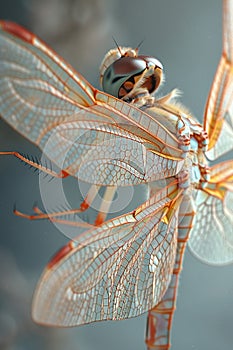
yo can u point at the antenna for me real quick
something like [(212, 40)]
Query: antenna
[(118, 47), (138, 46)]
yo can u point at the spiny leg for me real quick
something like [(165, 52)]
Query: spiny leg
[(57, 216), (35, 165), (39, 214), (62, 221), (104, 206)]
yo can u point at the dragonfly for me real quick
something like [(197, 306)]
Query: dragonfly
[(123, 136)]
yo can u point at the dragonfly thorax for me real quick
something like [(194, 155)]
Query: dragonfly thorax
[(125, 75)]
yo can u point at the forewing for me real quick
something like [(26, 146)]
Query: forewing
[(38, 90), (211, 237), (218, 120), (118, 270), (39, 93), (106, 154)]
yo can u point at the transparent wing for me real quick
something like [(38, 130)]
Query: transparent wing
[(218, 120), (118, 270), (39, 93), (211, 237), (38, 90), (107, 154)]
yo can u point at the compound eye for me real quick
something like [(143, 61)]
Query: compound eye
[(118, 78), (129, 66), (122, 75)]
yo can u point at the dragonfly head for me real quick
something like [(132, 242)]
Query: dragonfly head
[(124, 73)]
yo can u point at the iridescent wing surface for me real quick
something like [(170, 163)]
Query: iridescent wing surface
[(49, 103)]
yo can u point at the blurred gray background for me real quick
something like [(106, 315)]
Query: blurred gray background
[(186, 36)]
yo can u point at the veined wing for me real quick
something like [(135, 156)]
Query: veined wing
[(39, 93), (218, 121), (107, 154), (211, 237), (118, 270)]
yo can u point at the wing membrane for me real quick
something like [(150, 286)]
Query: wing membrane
[(218, 121), (39, 92), (211, 236), (118, 270), (106, 154), (36, 90)]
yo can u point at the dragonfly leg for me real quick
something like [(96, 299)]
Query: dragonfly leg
[(159, 319), (36, 165), (39, 214), (57, 216)]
